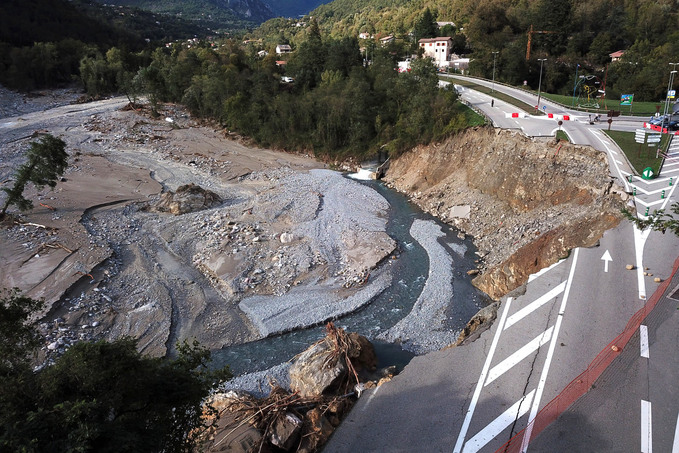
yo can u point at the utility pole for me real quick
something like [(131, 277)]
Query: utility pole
[(494, 56), (541, 60), (669, 88)]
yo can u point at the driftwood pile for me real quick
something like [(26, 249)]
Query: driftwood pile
[(326, 380)]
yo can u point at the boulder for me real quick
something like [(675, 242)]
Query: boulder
[(319, 432), (323, 366), (362, 353), (317, 369), (187, 198), (229, 434), (286, 238), (479, 322), (285, 431)]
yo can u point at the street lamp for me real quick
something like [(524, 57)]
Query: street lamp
[(541, 60), (494, 56), (575, 84)]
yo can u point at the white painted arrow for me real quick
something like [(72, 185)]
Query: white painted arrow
[(606, 258)]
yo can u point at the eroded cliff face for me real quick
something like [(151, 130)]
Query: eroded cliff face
[(526, 202)]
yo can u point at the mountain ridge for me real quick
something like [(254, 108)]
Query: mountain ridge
[(218, 11)]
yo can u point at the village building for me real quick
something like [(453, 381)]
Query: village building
[(386, 40), (615, 56), (283, 48), (438, 49)]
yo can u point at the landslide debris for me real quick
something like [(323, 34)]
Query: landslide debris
[(527, 202)]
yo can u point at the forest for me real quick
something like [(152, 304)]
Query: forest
[(575, 32), (336, 106)]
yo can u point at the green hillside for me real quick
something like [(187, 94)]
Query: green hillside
[(571, 33)]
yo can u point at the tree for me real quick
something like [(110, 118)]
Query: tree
[(426, 26), (17, 339), (103, 397), (658, 221), (47, 160)]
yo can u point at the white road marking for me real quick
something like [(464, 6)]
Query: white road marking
[(643, 341), (482, 378), (646, 428), (370, 398), (668, 195), (550, 355), (526, 350), (611, 152), (639, 241), (498, 425), (539, 302), (675, 444), (606, 258), (532, 277)]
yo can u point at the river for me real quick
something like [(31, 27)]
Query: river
[(410, 271)]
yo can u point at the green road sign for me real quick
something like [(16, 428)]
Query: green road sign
[(647, 173)]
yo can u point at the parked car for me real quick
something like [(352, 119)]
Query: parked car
[(287, 79), (656, 120), (673, 125)]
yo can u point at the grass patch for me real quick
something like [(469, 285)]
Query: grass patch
[(561, 135), (496, 94), (639, 156), (638, 108), (471, 117)]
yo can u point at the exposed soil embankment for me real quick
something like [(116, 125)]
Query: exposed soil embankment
[(526, 202)]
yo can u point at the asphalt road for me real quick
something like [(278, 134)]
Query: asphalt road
[(478, 396), (633, 406)]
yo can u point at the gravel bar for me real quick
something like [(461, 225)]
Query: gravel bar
[(307, 306), (423, 329)]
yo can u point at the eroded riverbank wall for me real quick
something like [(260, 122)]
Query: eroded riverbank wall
[(526, 202)]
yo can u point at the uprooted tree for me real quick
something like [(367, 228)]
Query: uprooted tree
[(46, 161)]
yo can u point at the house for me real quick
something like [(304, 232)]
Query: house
[(439, 49), (283, 48), (386, 40), (615, 56), (262, 53), (443, 24), (459, 64), (364, 35)]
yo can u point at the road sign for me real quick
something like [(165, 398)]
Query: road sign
[(671, 94), (647, 173), (626, 99), (640, 135), (653, 138)]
